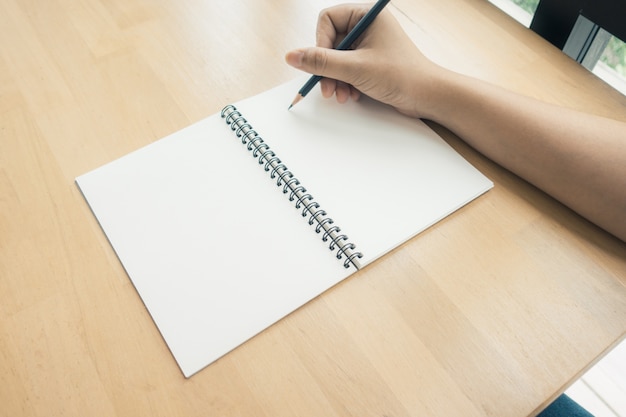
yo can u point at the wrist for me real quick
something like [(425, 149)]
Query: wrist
[(434, 93)]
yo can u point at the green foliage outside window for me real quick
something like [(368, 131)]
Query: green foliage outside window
[(615, 56), (529, 5)]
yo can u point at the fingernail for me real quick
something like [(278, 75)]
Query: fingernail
[(294, 58)]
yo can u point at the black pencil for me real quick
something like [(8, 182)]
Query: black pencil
[(343, 45)]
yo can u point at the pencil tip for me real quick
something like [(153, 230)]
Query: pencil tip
[(290, 106), (295, 100)]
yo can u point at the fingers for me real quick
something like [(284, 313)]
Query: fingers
[(319, 61), (328, 86), (333, 24), (382, 63), (342, 90), (329, 63)]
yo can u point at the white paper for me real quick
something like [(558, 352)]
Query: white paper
[(215, 249)]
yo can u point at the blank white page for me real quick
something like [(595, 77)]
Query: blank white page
[(218, 253), (382, 176)]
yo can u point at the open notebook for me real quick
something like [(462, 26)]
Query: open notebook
[(216, 224)]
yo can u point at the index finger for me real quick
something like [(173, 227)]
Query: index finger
[(334, 23)]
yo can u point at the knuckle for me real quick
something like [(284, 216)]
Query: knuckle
[(319, 61)]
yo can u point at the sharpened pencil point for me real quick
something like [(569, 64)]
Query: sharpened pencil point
[(296, 100)]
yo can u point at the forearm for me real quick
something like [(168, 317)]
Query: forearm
[(578, 158)]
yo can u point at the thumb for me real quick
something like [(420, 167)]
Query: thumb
[(328, 63)]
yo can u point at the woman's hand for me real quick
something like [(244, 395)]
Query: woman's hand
[(578, 158), (383, 64)]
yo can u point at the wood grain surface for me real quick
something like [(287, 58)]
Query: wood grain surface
[(492, 312)]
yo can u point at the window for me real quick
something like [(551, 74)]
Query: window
[(520, 10), (598, 51), (588, 43), (528, 5), (612, 64)]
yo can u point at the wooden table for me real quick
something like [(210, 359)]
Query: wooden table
[(493, 311)]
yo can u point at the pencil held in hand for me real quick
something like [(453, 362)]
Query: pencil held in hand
[(346, 43)]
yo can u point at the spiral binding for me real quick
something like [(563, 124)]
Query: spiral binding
[(290, 185)]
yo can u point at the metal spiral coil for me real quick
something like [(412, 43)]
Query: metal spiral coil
[(261, 151)]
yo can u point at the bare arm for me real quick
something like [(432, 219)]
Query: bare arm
[(578, 158)]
